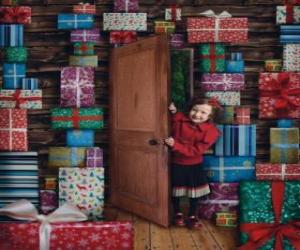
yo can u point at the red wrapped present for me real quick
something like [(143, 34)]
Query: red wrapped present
[(84, 8), (242, 115), (217, 28), (16, 15), (13, 130), (279, 95), (284, 172), (122, 37)]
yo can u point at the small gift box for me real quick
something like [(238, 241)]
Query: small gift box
[(122, 37), (91, 61), (287, 14), (94, 157), (125, 21), (212, 57), (273, 65), (230, 98), (13, 74), (242, 115), (92, 35), (126, 5), (50, 183), (83, 48), (60, 157), (177, 41), (80, 138), (16, 54), (284, 172), (235, 64), (15, 15), (173, 13), (11, 35), (226, 219), (226, 116), (84, 8), (75, 21), (222, 82), (164, 27), (291, 60), (48, 201), (30, 83), (284, 123)]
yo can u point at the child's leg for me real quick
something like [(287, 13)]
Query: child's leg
[(176, 205), (193, 206)]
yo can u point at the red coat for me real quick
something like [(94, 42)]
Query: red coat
[(191, 140)]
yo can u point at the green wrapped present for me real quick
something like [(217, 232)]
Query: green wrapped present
[(66, 157), (83, 48), (82, 118), (269, 215), (16, 54), (212, 57), (226, 116), (91, 61)]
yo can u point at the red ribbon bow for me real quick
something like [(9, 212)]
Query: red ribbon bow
[(118, 37), (212, 57), (213, 101), (15, 15), (260, 233), (19, 99), (174, 12)]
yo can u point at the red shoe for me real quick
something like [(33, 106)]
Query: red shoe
[(193, 223), (179, 220)]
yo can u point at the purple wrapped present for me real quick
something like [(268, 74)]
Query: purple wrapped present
[(92, 35), (94, 157), (48, 199), (222, 82), (126, 6), (223, 197), (177, 41), (77, 87)]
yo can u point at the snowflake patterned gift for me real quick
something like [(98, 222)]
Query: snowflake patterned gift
[(13, 130), (15, 15), (222, 82), (287, 14), (84, 35), (125, 21), (291, 59), (284, 172), (279, 95), (126, 5), (230, 98), (84, 187)]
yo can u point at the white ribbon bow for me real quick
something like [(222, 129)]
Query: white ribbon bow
[(211, 13), (24, 210)]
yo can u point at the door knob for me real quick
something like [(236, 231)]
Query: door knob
[(153, 142)]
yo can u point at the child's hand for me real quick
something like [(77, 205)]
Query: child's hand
[(172, 108), (170, 141)]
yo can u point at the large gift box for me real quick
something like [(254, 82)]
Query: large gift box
[(75, 187), (278, 95), (126, 5), (83, 48), (80, 138), (122, 37), (13, 130), (164, 27), (60, 157), (84, 35), (94, 157), (16, 54), (13, 74), (173, 13), (75, 21), (291, 59), (269, 215), (284, 172), (212, 57), (238, 140), (287, 14), (11, 35), (77, 87), (24, 99), (82, 118), (223, 197), (222, 82), (230, 98), (84, 8), (125, 21), (90, 61), (284, 145), (229, 169), (15, 15)]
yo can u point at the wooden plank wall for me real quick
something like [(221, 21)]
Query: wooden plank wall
[(49, 49)]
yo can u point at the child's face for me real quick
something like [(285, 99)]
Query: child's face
[(200, 113)]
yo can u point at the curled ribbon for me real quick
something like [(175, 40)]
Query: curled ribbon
[(24, 210)]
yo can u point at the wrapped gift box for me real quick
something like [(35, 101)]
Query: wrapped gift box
[(83, 48), (16, 54), (13, 130), (289, 29), (238, 140), (273, 65), (287, 14), (94, 157), (50, 183), (92, 35), (222, 82), (269, 213), (122, 37), (114, 235), (91, 61), (242, 115), (24, 99), (284, 145), (284, 123), (80, 138), (126, 5), (278, 95), (11, 35), (164, 27), (75, 186), (77, 87), (13, 74), (125, 21), (291, 59), (173, 14), (30, 83), (84, 8), (15, 15), (226, 116), (222, 198), (229, 169), (75, 21), (9, 2), (60, 157), (230, 98), (286, 39), (226, 219), (224, 30), (235, 64), (48, 201), (284, 172), (212, 57), (177, 41)]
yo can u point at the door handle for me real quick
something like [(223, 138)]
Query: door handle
[(153, 142)]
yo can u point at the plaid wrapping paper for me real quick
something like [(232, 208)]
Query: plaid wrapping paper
[(242, 115), (13, 74), (222, 82), (80, 138), (75, 21), (287, 14), (226, 116), (82, 118), (15, 15), (122, 37), (212, 57), (279, 95), (125, 21), (126, 5), (84, 35), (91, 61), (48, 201), (94, 157), (15, 54), (13, 130), (84, 8), (11, 35), (164, 27), (30, 83), (77, 87), (173, 14), (83, 48), (291, 59), (177, 41), (273, 65), (60, 157), (75, 186), (283, 172), (284, 145), (230, 98), (24, 99), (226, 219)]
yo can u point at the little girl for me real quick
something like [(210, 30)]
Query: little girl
[(192, 135)]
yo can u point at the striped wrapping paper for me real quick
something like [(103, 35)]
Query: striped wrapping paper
[(11, 35), (30, 83)]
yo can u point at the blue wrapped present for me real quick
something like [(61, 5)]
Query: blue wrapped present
[(11, 35), (30, 83), (80, 138), (289, 38), (75, 21), (235, 64), (284, 123), (229, 169), (13, 74), (290, 29), (236, 140)]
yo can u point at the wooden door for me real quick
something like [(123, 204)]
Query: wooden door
[(138, 122)]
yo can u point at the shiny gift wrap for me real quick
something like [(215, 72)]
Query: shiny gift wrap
[(66, 157), (15, 15), (284, 172), (212, 57), (222, 82), (16, 54)]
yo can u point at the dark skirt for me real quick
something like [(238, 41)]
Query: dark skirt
[(189, 180)]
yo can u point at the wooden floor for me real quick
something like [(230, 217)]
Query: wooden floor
[(149, 236)]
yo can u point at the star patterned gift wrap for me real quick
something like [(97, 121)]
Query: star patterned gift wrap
[(222, 82), (84, 187), (114, 235), (228, 98), (284, 172), (291, 59), (92, 35), (212, 57), (125, 21), (11, 35), (126, 5), (94, 157), (16, 54), (90, 61), (66, 157), (13, 74), (84, 8), (75, 21), (15, 15), (287, 14), (80, 138)]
